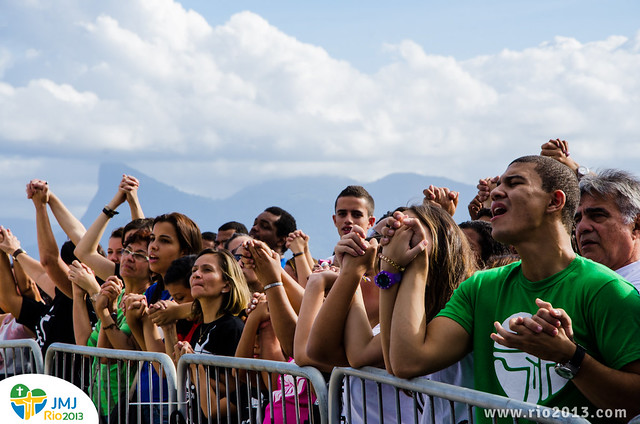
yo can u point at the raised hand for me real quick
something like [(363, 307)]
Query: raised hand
[(83, 277), (297, 241), (485, 186), (408, 242), (129, 185), (109, 293), (38, 191), (135, 305), (9, 243), (163, 312), (443, 197), (265, 261), (356, 253), (559, 150)]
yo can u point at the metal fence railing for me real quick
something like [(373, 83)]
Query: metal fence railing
[(442, 403), (248, 390), (126, 386), (20, 357), (144, 387)]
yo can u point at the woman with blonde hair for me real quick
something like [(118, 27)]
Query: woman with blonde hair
[(221, 293)]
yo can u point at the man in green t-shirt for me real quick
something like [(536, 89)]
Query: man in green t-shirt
[(554, 329)]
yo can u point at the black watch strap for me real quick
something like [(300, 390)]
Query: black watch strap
[(578, 357)]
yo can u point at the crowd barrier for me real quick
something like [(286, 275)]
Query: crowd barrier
[(126, 385), (257, 388), (117, 381), (441, 403), (20, 357)]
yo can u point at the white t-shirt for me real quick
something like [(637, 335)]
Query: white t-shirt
[(631, 273)]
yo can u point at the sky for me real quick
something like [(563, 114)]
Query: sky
[(212, 96)]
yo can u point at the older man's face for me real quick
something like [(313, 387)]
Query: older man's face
[(602, 234)]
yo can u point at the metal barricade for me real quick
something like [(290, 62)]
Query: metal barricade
[(21, 356), (125, 385), (253, 389), (439, 394)]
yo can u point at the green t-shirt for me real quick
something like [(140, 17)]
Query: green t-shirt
[(108, 374), (604, 309)]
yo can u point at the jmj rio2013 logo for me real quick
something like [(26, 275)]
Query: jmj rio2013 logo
[(27, 403), (28, 400)]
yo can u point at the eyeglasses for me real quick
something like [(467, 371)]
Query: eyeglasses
[(140, 257)]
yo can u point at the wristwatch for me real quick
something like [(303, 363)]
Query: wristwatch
[(385, 279), (569, 369), (582, 171)]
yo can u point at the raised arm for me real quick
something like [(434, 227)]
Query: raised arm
[(34, 269), (415, 346), (86, 249), (26, 285), (442, 197), (298, 243), (559, 150), (50, 258), (327, 333), (71, 226), (10, 300), (269, 272), (106, 308), (318, 284), (84, 284)]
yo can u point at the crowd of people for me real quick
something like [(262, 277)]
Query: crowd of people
[(532, 298)]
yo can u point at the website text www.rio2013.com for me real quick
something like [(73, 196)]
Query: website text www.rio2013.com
[(556, 412)]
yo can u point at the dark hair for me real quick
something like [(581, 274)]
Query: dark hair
[(233, 225), (451, 260), (360, 193), (179, 271), (208, 235), (501, 260), (187, 231), (238, 297), (285, 224), (620, 186), (233, 236), (557, 176), (137, 224), (488, 245), (66, 252), (117, 233), (141, 235)]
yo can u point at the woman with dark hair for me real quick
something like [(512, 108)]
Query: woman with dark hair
[(221, 293), (173, 235), (424, 261), (482, 243)]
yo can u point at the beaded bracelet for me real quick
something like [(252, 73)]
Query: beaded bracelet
[(392, 263), (276, 284)]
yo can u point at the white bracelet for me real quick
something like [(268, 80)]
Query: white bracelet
[(268, 286)]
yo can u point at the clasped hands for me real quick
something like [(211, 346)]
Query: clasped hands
[(547, 335), (404, 239)]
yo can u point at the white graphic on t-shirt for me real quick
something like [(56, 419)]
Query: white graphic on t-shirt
[(522, 375)]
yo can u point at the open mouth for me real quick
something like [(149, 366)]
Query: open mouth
[(498, 209), (346, 230)]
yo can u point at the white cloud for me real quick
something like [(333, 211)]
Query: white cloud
[(148, 82)]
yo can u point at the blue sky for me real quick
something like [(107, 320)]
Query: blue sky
[(212, 96)]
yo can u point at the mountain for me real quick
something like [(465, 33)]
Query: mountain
[(309, 199)]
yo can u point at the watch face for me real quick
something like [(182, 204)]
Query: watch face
[(564, 371), (383, 281)]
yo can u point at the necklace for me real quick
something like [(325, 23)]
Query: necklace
[(204, 333)]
